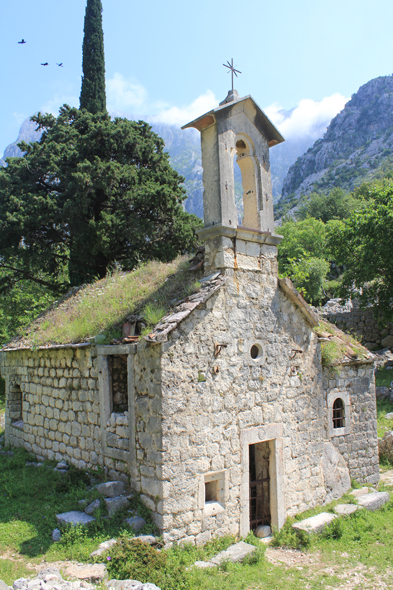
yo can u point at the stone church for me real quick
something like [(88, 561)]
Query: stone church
[(223, 418)]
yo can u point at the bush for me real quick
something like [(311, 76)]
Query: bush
[(288, 537), (135, 560)]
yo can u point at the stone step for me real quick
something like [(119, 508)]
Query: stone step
[(346, 509), (315, 524), (74, 518), (374, 500)]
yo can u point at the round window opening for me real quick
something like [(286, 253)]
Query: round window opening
[(255, 351)]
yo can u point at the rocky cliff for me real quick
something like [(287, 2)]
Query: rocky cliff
[(357, 143)]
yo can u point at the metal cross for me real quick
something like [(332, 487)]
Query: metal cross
[(232, 69)]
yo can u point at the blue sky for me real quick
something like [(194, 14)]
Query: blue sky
[(164, 59)]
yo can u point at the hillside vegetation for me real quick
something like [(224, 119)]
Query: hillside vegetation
[(357, 146)]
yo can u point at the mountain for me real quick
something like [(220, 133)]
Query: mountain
[(185, 153), (357, 145), (27, 133)]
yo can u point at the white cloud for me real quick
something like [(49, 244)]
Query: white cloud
[(125, 94), (53, 105), (128, 95), (309, 118), (181, 115)]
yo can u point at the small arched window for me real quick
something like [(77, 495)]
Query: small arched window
[(338, 413)]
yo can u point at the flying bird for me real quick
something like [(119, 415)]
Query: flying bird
[(45, 64), (60, 65), (22, 42)]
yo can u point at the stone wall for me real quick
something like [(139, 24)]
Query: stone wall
[(67, 409), (60, 408), (215, 406), (360, 446), (359, 322), (243, 368)]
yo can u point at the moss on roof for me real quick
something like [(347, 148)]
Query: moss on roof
[(96, 313), (339, 348)]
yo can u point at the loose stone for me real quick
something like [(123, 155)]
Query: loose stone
[(74, 518), (263, 531), (346, 509), (103, 547), (113, 505), (136, 523), (315, 524), (110, 489), (56, 535), (374, 500), (93, 506)]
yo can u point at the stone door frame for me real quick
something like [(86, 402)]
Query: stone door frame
[(271, 433)]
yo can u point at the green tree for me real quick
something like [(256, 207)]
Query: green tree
[(303, 256), (93, 97), (338, 204), (364, 245), (90, 194)]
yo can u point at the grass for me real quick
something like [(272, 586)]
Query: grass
[(384, 377), (100, 309), (30, 497), (338, 345)]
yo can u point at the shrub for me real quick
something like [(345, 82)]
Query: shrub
[(288, 537), (135, 560)]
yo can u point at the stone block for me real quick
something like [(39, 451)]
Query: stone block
[(234, 553), (124, 585), (346, 509), (74, 518), (56, 536), (359, 492), (115, 504), (136, 523), (93, 506), (386, 342), (315, 524), (110, 489), (90, 573), (374, 500)]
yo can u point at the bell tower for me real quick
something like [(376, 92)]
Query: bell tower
[(239, 129)]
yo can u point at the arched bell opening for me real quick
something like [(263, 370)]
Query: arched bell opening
[(248, 164)]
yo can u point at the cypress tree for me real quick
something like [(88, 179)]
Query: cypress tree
[(92, 96)]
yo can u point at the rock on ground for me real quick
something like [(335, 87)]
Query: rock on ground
[(91, 573), (130, 585), (234, 553), (74, 518), (136, 523), (346, 509), (110, 489), (359, 492), (91, 507), (263, 531), (3, 586), (56, 535), (50, 579), (103, 547), (115, 504), (315, 524), (374, 500)]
